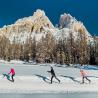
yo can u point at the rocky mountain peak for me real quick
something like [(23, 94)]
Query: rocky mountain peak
[(35, 23), (39, 13), (39, 24), (69, 22), (66, 20)]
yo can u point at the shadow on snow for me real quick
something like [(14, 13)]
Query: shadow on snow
[(45, 79), (7, 77), (72, 78)]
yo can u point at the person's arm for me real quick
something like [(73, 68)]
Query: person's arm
[(9, 72), (49, 71)]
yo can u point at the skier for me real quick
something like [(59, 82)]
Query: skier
[(53, 74), (12, 72), (84, 76)]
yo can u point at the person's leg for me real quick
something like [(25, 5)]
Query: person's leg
[(51, 79), (13, 78), (88, 79), (83, 79), (57, 79)]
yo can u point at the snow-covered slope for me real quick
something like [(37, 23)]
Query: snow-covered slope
[(34, 84), (38, 81)]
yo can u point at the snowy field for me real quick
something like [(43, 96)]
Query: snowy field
[(35, 79)]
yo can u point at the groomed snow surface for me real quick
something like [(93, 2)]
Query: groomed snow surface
[(39, 82)]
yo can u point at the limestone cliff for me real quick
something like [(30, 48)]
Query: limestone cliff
[(74, 26), (39, 24), (34, 23)]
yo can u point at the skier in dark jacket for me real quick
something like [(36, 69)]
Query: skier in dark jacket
[(53, 75)]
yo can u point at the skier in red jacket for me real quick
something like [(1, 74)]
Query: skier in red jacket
[(12, 72)]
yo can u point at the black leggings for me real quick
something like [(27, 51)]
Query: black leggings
[(12, 77), (86, 79), (55, 78)]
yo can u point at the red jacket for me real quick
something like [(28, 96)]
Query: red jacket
[(12, 71)]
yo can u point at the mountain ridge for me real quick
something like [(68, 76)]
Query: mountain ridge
[(40, 24)]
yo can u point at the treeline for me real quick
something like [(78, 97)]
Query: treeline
[(48, 49)]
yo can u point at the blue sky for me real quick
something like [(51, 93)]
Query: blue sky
[(83, 10)]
